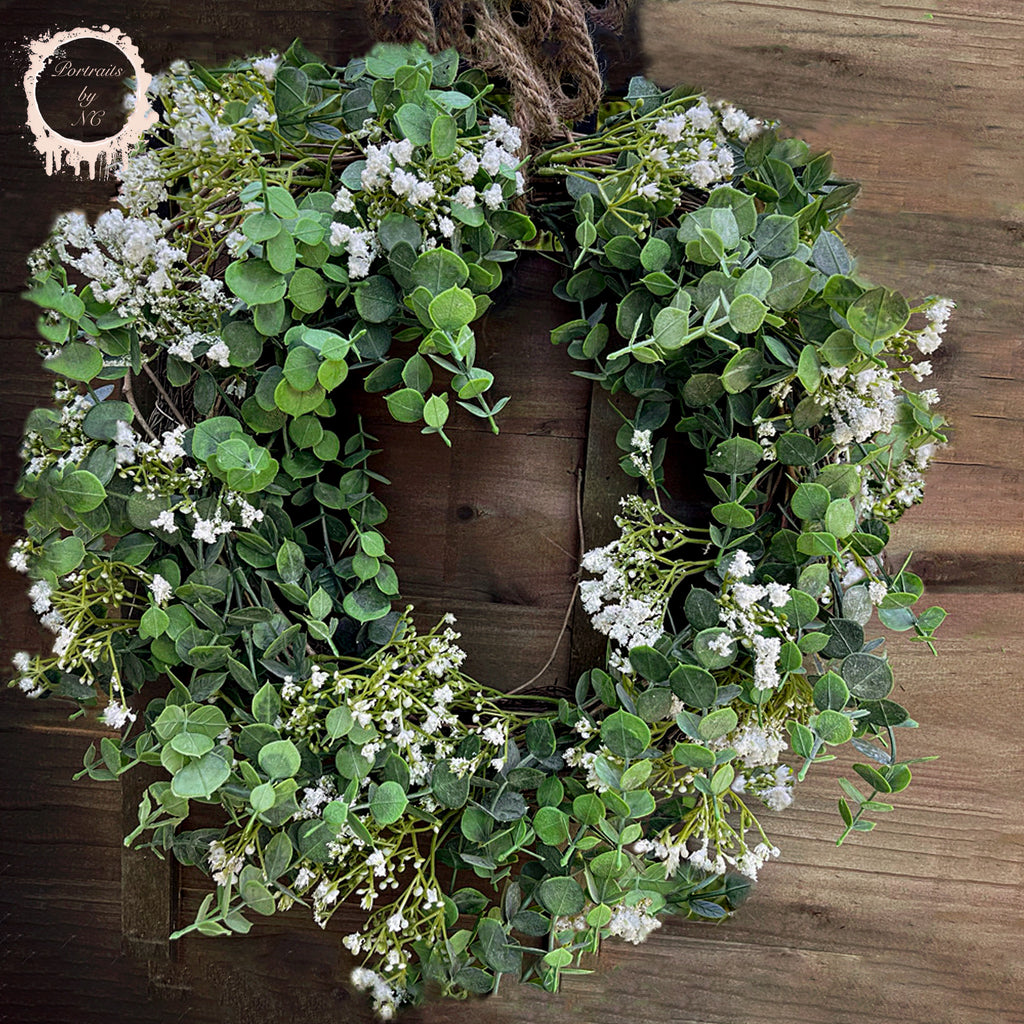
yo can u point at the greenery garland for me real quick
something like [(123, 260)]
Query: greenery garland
[(287, 223)]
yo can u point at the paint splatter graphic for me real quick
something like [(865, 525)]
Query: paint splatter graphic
[(58, 150)]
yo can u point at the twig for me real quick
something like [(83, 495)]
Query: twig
[(572, 599), (126, 390), (163, 394)]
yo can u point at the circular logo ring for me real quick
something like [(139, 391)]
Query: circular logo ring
[(58, 149)]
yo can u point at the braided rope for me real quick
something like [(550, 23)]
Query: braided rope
[(542, 48), (405, 21)]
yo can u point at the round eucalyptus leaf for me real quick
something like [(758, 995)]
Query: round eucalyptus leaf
[(388, 803), (868, 676), (560, 896), (280, 759)]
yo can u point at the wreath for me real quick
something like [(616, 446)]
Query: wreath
[(197, 519)]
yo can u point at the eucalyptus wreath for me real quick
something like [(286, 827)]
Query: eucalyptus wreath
[(208, 548)]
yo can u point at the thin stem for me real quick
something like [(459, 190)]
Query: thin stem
[(129, 394), (575, 590), (164, 395)]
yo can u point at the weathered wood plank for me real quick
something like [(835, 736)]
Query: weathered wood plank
[(148, 884)]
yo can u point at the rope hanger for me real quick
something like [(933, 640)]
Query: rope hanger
[(542, 48)]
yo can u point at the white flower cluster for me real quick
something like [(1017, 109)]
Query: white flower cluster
[(774, 787), (766, 431), (668, 848), (185, 347), (142, 184), (642, 451), (631, 923), (29, 683), (692, 143), (757, 745), (161, 590), (314, 798), (74, 443), (361, 246), (737, 122), (195, 116), (412, 699), (747, 611), (937, 312), (627, 601), (578, 757), (155, 467), (864, 402), (225, 866), (130, 262), (747, 861), (266, 67), (105, 588), (394, 178), (116, 715), (861, 404), (18, 556), (886, 495), (713, 857), (385, 997)]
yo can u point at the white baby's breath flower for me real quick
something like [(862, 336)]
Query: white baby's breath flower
[(160, 589), (267, 67), (219, 353), (343, 202), (165, 521), (116, 715)]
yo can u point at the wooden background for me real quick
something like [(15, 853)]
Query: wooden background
[(919, 922)]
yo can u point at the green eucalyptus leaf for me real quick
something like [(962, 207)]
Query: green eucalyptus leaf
[(868, 676), (307, 290), (878, 314), (746, 313), (560, 896), (76, 361), (201, 778), (406, 405), (376, 301), (452, 309), (255, 281), (551, 826), (101, 421), (743, 369), (777, 236), (280, 759), (830, 255), (717, 724), (438, 270), (625, 735), (831, 692), (81, 490), (388, 803)]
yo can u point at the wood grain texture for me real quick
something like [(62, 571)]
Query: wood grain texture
[(919, 922)]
